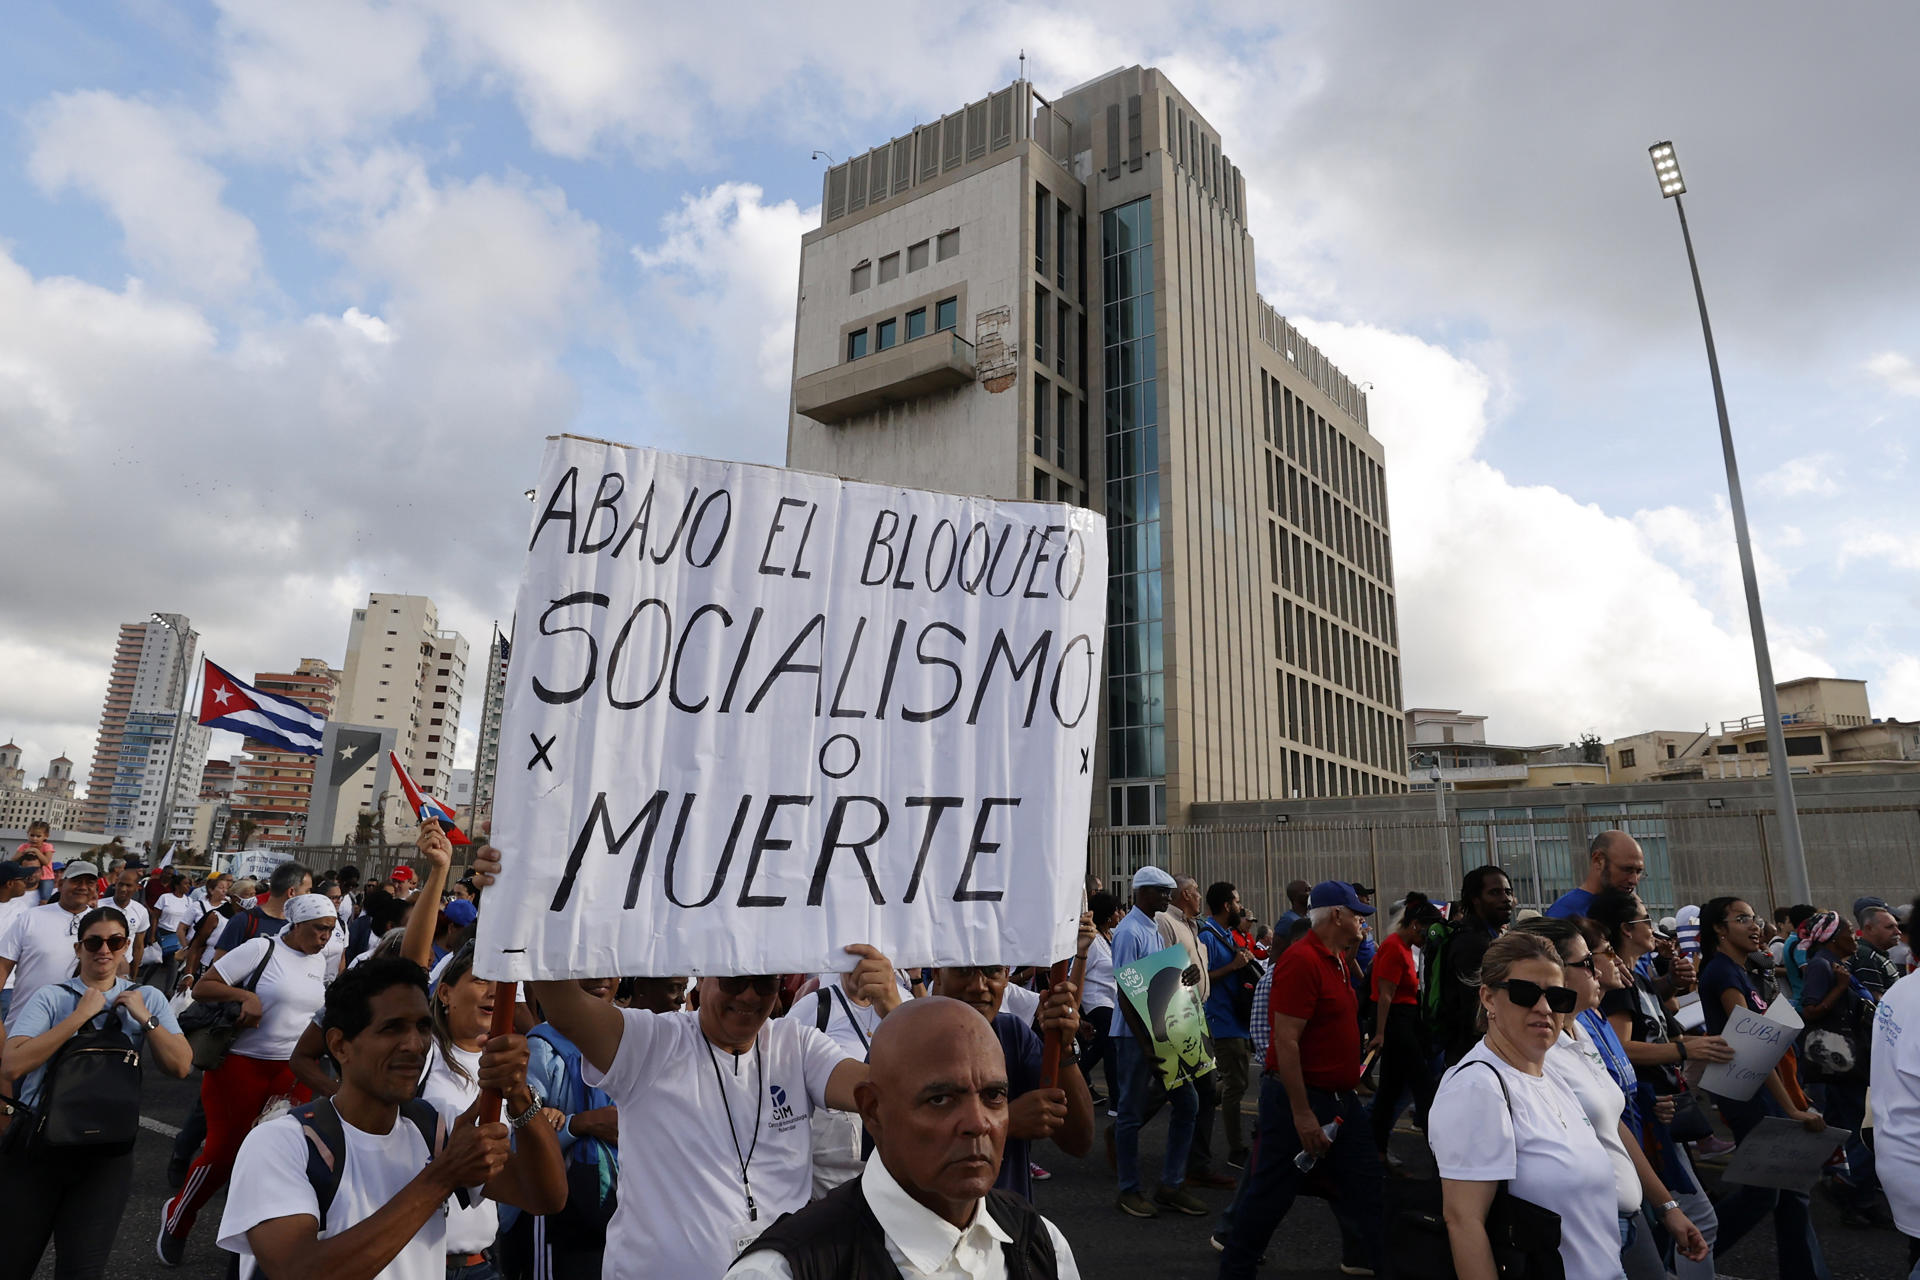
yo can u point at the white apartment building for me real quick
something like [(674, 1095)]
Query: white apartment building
[(402, 670)]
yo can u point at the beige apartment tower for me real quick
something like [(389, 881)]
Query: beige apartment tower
[(1056, 301), (402, 671)]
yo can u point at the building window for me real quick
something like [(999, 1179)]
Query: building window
[(1062, 236), (890, 268), (1040, 221), (1042, 488), (916, 323), (1061, 436), (885, 334), (856, 344), (862, 277), (916, 256), (1064, 313), (1627, 758), (946, 313), (1136, 741), (1041, 395), (1042, 313), (946, 245)]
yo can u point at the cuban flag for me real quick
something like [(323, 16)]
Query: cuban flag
[(425, 805), (227, 703)]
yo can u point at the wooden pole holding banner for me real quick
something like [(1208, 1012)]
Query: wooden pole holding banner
[(503, 1002), (1074, 971)]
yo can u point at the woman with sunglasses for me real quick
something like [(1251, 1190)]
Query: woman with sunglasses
[(1589, 1059), (1638, 1018), (1729, 933), (1501, 1117), (75, 1197)]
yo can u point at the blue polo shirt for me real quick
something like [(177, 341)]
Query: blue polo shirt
[(1574, 902), (1220, 953), (1135, 938)]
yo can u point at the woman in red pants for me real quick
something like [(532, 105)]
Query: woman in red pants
[(290, 988)]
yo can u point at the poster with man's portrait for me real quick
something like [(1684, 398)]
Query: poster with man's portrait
[(1162, 1005)]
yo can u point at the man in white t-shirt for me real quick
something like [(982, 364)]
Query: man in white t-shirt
[(1896, 1098), (38, 946), (385, 1217), (126, 899), (19, 891)]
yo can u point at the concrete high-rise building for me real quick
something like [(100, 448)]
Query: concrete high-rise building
[(1056, 301), (272, 787), (152, 670), (402, 671), (486, 762)]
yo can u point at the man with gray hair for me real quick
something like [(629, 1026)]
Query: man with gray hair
[(1179, 926), (1877, 930), (288, 880)]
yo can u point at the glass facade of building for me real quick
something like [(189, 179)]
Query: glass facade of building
[(1136, 702)]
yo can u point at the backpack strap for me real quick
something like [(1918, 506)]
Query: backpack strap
[(823, 1011), (326, 1150)]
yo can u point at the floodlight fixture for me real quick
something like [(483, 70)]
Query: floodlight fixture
[(1666, 169)]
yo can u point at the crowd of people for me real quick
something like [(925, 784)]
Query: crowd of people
[(881, 1121)]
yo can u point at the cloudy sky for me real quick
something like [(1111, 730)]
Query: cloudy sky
[(290, 294)]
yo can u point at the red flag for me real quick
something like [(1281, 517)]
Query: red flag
[(425, 805)]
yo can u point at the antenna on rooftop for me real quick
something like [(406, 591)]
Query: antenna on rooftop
[(1023, 64)]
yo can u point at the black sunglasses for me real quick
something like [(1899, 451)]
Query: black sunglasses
[(1586, 964), (1526, 995), (766, 984), (112, 942)]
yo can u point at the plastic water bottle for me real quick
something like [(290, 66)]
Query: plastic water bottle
[(1306, 1159)]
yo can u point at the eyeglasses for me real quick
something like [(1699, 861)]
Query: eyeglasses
[(766, 984), (1587, 964), (112, 942), (1526, 995), (1746, 919), (1640, 920)]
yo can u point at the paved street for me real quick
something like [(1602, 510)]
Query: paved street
[(1079, 1199)]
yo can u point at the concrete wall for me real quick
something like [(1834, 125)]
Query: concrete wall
[(963, 441)]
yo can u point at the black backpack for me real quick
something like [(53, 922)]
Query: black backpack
[(89, 1096), (327, 1143)]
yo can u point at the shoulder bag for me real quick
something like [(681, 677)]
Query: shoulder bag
[(89, 1094), (1524, 1236), (211, 1028)]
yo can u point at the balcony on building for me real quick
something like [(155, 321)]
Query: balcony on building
[(937, 362)]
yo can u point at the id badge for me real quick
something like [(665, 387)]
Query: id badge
[(744, 1233)]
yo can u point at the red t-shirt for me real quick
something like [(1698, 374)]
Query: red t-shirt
[(1309, 983), (1394, 962)]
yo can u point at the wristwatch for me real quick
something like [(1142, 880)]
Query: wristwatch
[(533, 1109), (153, 1020), (1666, 1207)]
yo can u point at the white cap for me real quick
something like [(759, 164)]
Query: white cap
[(310, 906), (1687, 915), (1152, 878)]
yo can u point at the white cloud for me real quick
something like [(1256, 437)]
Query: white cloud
[(139, 162), (1545, 613), (299, 74), (1815, 475), (1898, 550), (1897, 371), (1896, 692)]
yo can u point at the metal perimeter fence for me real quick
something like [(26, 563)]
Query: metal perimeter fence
[(1691, 856)]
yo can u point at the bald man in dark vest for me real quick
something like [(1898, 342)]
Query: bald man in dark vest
[(935, 1103)]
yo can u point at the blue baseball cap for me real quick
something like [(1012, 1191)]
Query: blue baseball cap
[(460, 913), (10, 871), (1337, 893)]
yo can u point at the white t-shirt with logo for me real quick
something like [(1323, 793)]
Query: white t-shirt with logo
[(176, 910), (270, 1181), (470, 1228), (1577, 1064), (1896, 1100), (1546, 1153), (138, 918), (40, 944), (291, 988), (680, 1204)]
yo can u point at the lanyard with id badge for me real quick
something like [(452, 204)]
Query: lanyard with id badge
[(748, 1229)]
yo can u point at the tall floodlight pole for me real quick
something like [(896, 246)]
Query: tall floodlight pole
[(1666, 168)]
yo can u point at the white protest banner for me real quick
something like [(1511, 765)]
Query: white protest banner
[(754, 715), (1758, 1041), (1783, 1154)]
